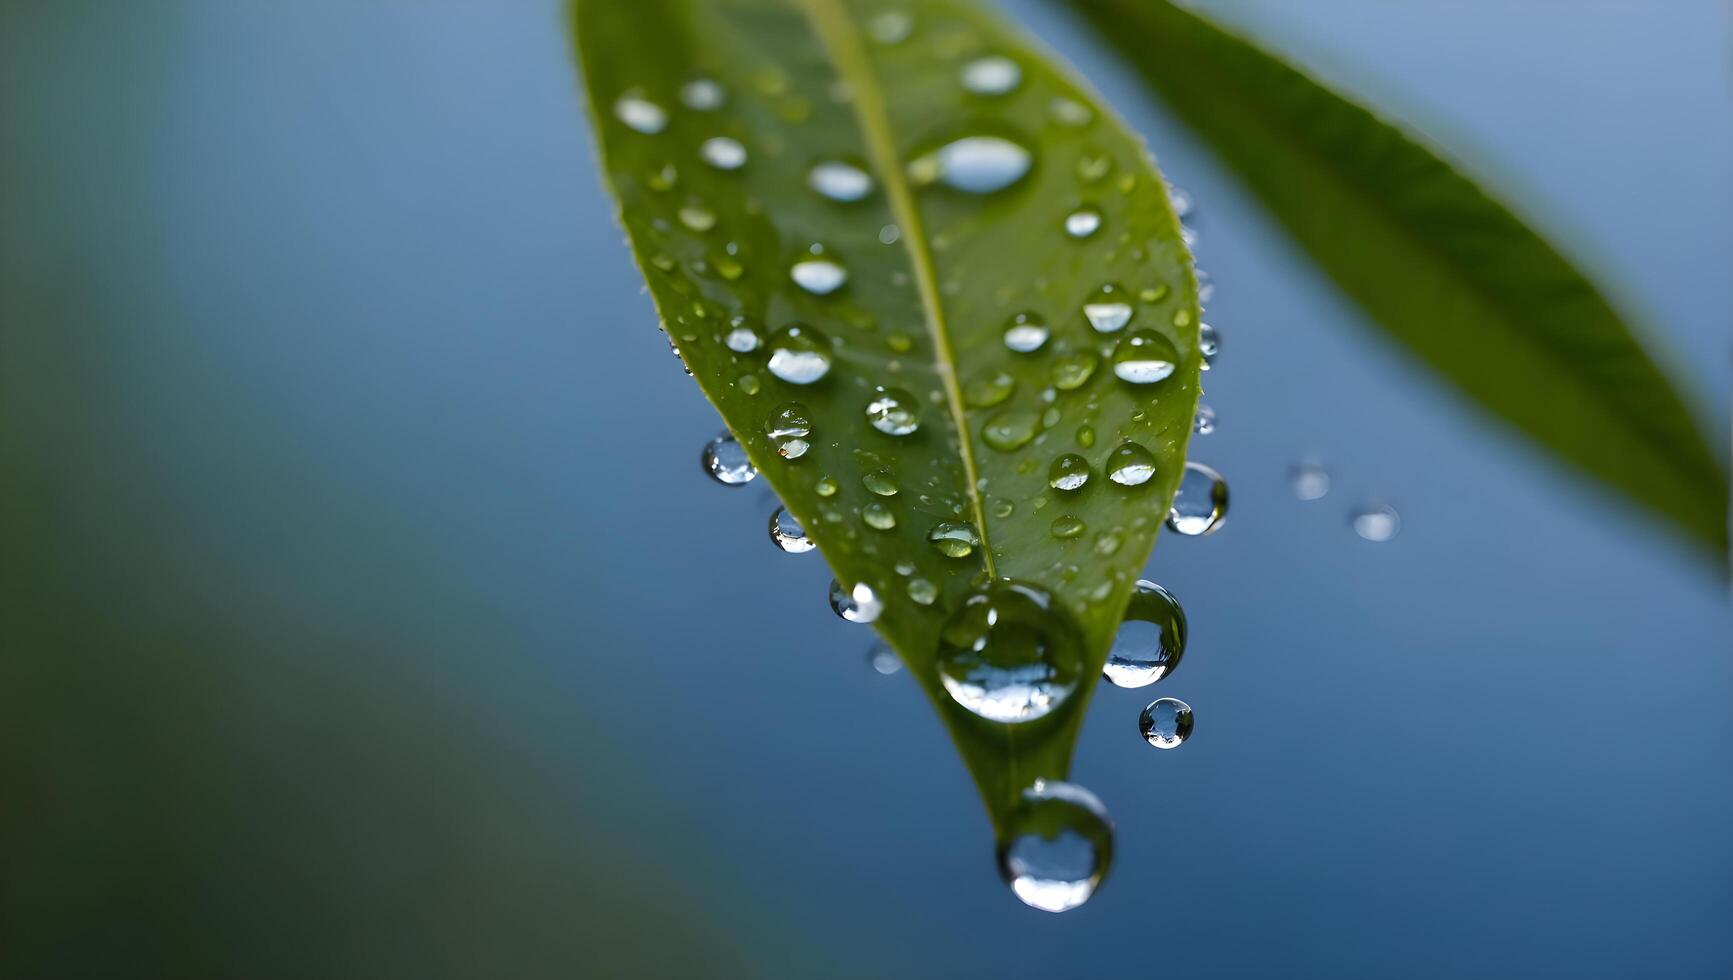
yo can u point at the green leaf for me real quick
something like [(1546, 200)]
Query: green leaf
[(1436, 262), (936, 266)]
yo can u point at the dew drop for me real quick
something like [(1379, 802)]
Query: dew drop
[(799, 354), (989, 391), (1376, 522), (748, 383), (787, 534), (857, 605), (1165, 723), (1130, 465), (1073, 370), (839, 181), (1108, 312), (725, 460), (1309, 480), (891, 27), (1083, 222), (882, 482), (992, 75), (1204, 422), (723, 153), (878, 516), (973, 165), (1066, 526), (1151, 638), (1058, 846), (1201, 502), (1144, 357), (1011, 430), (894, 412), (1068, 473), (741, 337), (818, 276), (1026, 332), (954, 539), (922, 591), (825, 487), (640, 114), (1070, 112), (790, 429), (697, 217), (702, 94), (1009, 654), (1209, 344)]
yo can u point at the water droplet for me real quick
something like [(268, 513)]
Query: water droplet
[(1067, 526), (1086, 436), (1165, 723), (891, 27), (1151, 638), (1068, 472), (1144, 357), (1206, 287), (1201, 503), (818, 276), (1209, 344), (1058, 846), (992, 75), (878, 517), (640, 114), (702, 94), (922, 591), (664, 178), (973, 165), (894, 412), (723, 153), (1204, 422), (1026, 332), (787, 534), (1009, 654), (748, 383), (790, 429), (989, 391), (1130, 465), (799, 354), (890, 235), (1011, 430), (840, 181), (1377, 522), (1309, 480), (825, 487), (1181, 202), (741, 337), (882, 482), (726, 461), (884, 660), (1073, 370), (954, 539), (697, 217), (857, 605), (1083, 222), (1108, 312), (1070, 112)]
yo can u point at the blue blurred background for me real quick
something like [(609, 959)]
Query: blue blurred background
[(365, 613)]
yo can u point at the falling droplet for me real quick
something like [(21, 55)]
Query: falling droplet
[(1068, 473), (857, 605), (1073, 370), (640, 114), (878, 516), (922, 591), (884, 660), (882, 482), (1026, 332), (1011, 430), (840, 181), (1144, 357), (1009, 653), (1165, 723), (1058, 846), (723, 153), (1204, 422), (954, 539), (1130, 465), (1067, 526), (787, 534), (1108, 312), (818, 276), (1209, 344), (891, 27), (1309, 480), (973, 165), (1201, 502), (799, 354), (992, 75), (894, 412), (726, 461), (1377, 522), (789, 428), (702, 94), (741, 337), (1083, 222), (1150, 641)]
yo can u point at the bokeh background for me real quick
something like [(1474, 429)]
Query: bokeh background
[(363, 611)]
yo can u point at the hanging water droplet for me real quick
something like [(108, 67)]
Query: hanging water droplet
[(640, 114), (1009, 653), (1309, 480), (1144, 357), (787, 534), (1377, 522), (1181, 202), (725, 460), (1011, 430), (992, 75), (723, 153), (1073, 370), (1151, 638), (1108, 312), (840, 181), (1026, 332), (1201, 502), (1068, 472), (1058, 846), (789, 428), (891, 27), (884, 660), (1204, 422), (741, 337), (973, 165), (922, 591), (894, 412), (1083, 222), (799, 354), (882, 482), (1165, 723), (818, 275), (954, 539), (1066, 526), (1130, 465), (702, 94), (857, 605), (1209, 344)]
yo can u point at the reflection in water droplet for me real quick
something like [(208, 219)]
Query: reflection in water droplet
[(894, 412), (840, 181), (884, 660), (702, 94), (973, 165), (1083, 222), (1058, 846), (1201, 503), (882, 482), (799, 354), (1377, 522), (1026, 332), (1009, 653), (789, 428), (954, 539), (1165, 723), (640, 114), (1309, 480), (878, 517), (891, 27), (787, 534), (1209, 344), (741, 338), (1074, 369), (1067, 526), (1108, 312), (726, 461), (1130, 465), (1144, 357), (723, 153), (1011, 430), (992, 75), (1068, 472), (857, 605), (1150, 640)]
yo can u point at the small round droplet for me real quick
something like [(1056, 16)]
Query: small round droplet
[(1150, 641), (1083, 222), (891, 27), (1066, 526), (1011, 430), (741, 337), (878, 516), (989, 391), (1201, 502), (640, 114), (1204, 422), (922, 591), (825, 487), (1068, 473), (799, 354), (992, 75), (790, 430), (1026, 332), (882, 482), (1309, 480), (1209, 344), (725, 460), (1130, 465), (787, 534), (839, 181), (1058, 846), (894, 412), (1377, 522), (1108, 312), (1073, 370), (954, 539), (884, 660), (973, 165), (1165, 723), (1144, 357), (697, 217), (818, 276), (723, 153), (1009, 653), (857, 605), (702, 94)]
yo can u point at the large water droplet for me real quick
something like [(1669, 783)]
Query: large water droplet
[(1130, 465), (1026, 332), (1309, 480), (881, 481), (640, 114), (1165, 723), (1108, 312), (726, 461), (857, 605), (954, 539), (723, 153), (799, 354), (818, 275), (1068, 472), (973, 165), (1204, 422), (1201, 503), (894, 412), (1058, 846), (1376, 522), (992, 75), (1009, 653), (1011, 430), (790, 429), (1209, 344), (840, 181), (1144, 357), (787, 534), (1150, 640), (1083, 222)]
